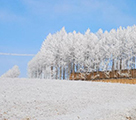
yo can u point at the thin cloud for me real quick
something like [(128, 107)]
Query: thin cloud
[(39, 7), (15, 54), (7, 16), (108, 11), (42, 7)]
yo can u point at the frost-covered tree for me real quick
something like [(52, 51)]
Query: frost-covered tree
[(63, 54), (12, 73)]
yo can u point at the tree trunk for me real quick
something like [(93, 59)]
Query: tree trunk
[(64, 73), (51, 72), (77, 68), (69, 70), (60, 72), (44, 72), (73, 70), (56, 72), (133, 67), (113, 70), (121, 64)]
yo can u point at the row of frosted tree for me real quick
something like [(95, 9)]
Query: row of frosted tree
[(63, 53)]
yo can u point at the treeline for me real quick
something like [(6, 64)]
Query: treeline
[(64, 53)]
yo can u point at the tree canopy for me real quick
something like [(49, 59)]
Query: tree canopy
[(64, 53)]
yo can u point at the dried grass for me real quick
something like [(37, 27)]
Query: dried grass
[(124, 81)]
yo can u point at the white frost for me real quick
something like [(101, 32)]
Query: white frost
[(12, 73), (40, 99)]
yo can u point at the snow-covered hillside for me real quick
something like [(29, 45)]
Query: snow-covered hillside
[(38, 99)]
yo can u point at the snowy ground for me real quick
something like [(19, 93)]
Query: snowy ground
[(38, 99)]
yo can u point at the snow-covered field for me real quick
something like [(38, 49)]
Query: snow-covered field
[(37, 99)]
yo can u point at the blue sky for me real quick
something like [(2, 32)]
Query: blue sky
[(24, 24)]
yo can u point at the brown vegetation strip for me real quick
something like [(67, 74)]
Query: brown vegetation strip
[(124, 81)]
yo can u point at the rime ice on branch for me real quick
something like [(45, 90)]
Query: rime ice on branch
[(64, 53)]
